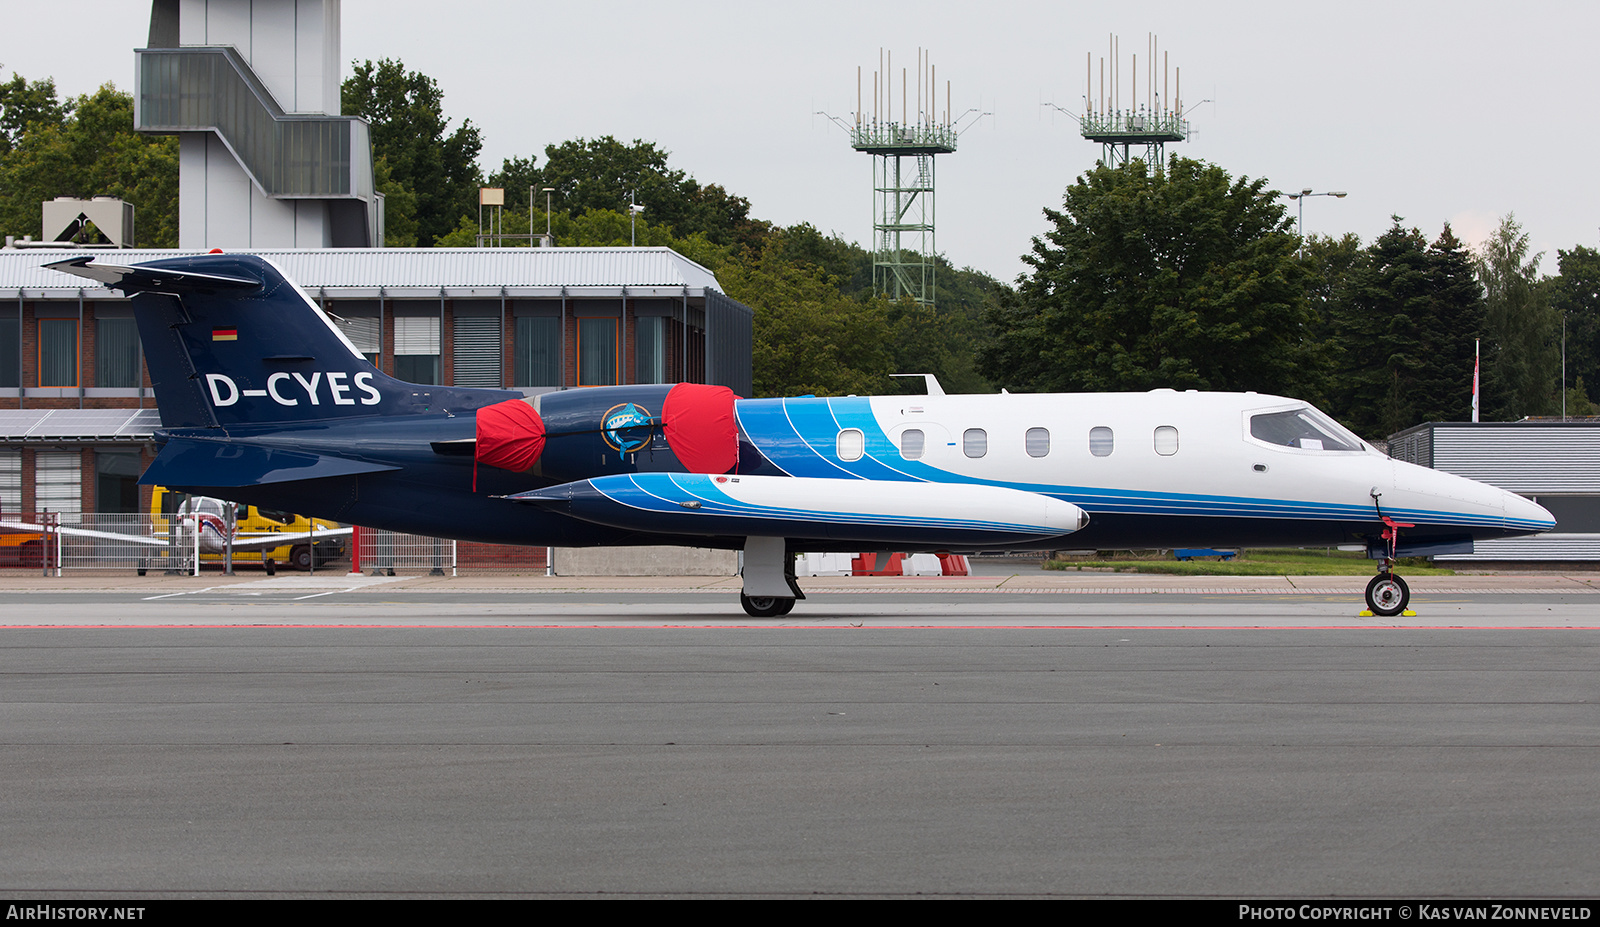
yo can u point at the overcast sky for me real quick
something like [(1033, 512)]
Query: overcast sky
[(1438, 112)]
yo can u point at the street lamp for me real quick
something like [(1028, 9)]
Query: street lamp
[(547, 192), (1301, 196), (633, 217)]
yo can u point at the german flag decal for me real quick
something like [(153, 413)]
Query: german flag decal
[(224, 334)]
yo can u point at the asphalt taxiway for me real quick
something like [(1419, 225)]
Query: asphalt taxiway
[(341, 736)]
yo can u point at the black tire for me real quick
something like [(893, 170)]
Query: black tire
[(765, 606), (1388, 595), (300, 558)]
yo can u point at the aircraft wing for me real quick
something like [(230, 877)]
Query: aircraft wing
[(247, 542), (250, 541), (69, 531)]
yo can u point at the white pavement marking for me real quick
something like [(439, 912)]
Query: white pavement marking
[(326, 585), (152, 598)]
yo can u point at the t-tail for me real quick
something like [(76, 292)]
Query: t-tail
[(230, 341)]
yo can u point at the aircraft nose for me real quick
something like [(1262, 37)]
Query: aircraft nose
[(1525, 513)]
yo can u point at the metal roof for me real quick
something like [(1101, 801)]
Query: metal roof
[(408, 272), (33, 426)]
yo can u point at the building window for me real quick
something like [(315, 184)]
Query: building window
[(1037, 442), (116, 482), (650, 350), (975, 442), (416, 349), (58, 481), (476, 352), (851, 444), (116, 353), (912, 443), (362, 330), (1166, 440), (597, 352), (10, 481), (11, 352), (1575, 514), (58, 352), (1101, 441), (538, 361)]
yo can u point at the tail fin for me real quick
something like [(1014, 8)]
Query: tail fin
[(230, 340)]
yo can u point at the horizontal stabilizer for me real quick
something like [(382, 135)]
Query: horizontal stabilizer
[(188, 462), (146, 279)]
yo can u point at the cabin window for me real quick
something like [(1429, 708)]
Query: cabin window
[(1101, 441), (1302, 428), (850, 444), (1166, 440), (1037, 442), (975, 442), (912, 442)]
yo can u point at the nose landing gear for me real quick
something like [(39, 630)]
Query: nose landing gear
[(1387, 594)]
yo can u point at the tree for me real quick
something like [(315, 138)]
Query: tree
[(1403, 322), (808, 337), (1166, 278), (1575, 297), (399, 207), (1520, 328), (605, 174), (24, 105), (1445, 382), (411, 133), (91, 150)]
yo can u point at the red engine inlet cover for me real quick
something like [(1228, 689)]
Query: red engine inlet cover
[(510, 435)]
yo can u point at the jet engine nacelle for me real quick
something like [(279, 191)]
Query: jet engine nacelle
[(575, 434)]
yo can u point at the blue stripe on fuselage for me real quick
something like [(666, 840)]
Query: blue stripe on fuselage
[(800, 437)]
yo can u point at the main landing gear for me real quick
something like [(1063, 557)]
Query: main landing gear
[(770, 589), (766, 606)]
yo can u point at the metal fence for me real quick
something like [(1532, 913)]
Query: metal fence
[(94, 541), (390, 552), (51, 543)]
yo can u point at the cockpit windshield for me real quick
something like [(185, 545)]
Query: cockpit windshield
[(1302, 428)]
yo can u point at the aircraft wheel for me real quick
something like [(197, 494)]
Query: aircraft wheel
[(300, 558), (765, 606), (1388, 595)]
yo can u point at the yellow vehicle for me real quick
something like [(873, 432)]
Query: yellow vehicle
[(25, 550), (250, 524)]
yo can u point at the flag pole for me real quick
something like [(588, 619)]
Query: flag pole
[(1475, 379)]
